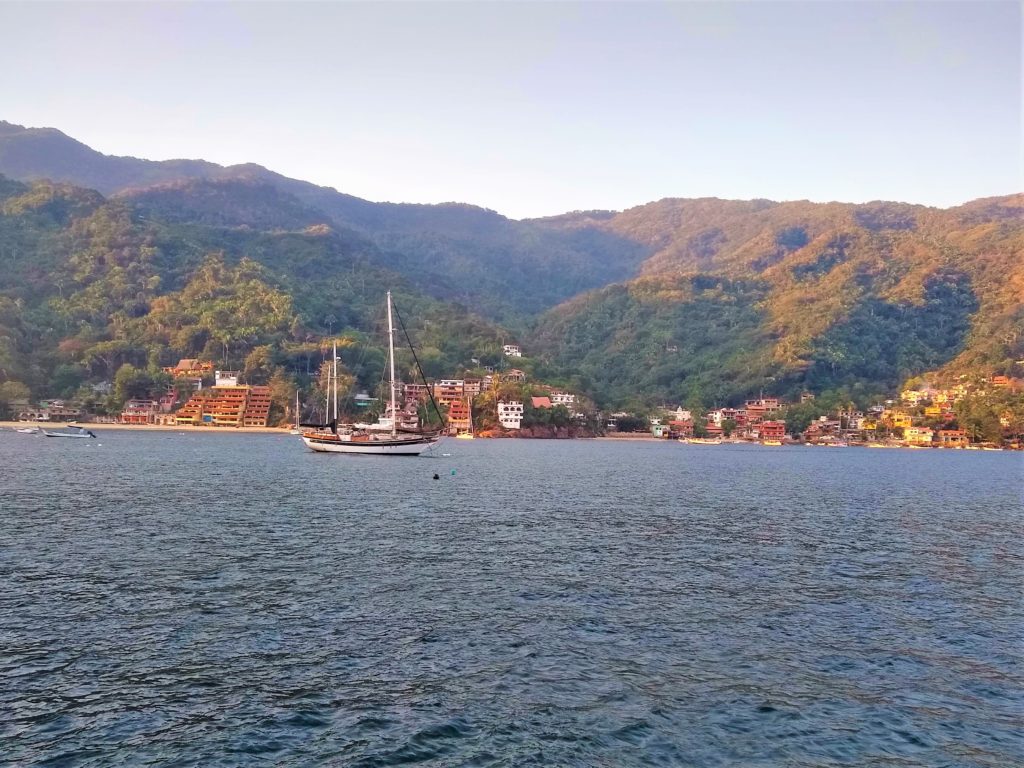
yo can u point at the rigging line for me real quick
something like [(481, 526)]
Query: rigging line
[(419, 368)]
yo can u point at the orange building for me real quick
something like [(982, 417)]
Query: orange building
[(140, 412), (459, 417), (190, 367), (772, 430), (227, 406)]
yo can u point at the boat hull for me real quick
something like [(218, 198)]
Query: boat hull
[(399, 447)]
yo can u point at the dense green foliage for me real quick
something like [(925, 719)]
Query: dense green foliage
[(254, 270), (830, 298), (689, 340), (94, 290)]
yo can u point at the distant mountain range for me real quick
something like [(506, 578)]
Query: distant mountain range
[(676, 300)]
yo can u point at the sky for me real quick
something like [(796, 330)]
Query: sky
[(538, 108)]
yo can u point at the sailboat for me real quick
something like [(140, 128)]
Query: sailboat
[(381, 439), (295, 429)]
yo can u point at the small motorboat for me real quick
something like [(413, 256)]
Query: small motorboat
[(28, 431), (73, 431)]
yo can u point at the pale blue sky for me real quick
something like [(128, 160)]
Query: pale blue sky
[(539, 108)]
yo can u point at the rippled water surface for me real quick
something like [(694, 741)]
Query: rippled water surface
[(231, 599)]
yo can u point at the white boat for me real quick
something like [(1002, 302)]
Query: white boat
[(381, 439), (76, 432), (29, 430)]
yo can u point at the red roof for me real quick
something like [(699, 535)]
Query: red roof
[(541, 402)]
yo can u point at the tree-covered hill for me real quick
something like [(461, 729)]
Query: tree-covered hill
[(507, 270), (89, 285), (676, 300), (815, 296)]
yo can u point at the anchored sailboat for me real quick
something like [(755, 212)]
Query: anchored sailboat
[(381, 439), (295, 429)]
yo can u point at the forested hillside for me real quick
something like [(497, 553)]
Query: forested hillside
[(508, 270), (90, 285), (676, 301), (754, 294)]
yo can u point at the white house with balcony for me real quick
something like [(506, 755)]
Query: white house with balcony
[(563, 398), (512, 350), (510, 415)]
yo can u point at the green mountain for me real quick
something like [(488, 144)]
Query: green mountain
[(743, 295), (505, 269), (679, 300), (89, 285)]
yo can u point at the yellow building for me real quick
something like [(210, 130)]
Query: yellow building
[(918, 435), (896, 419)]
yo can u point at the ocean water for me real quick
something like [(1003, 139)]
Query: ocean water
[(224, 599)]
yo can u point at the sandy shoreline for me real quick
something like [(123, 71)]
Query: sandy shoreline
[(147, 427), (236, 430)]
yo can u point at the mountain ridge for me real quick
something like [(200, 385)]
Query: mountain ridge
[(791, 294)]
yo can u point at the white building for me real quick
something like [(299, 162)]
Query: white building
[(512, 350), (510, 415), (682, 414), (226, 378), (563, 398)]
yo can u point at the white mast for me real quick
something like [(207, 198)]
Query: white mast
[(391, 356), (335, 381)]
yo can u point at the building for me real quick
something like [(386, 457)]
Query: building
[(771, 430), (168, 400), (918, 435), (227, 406), (447, 391), (415, 393), (914, 397), (681, 428), (563, 398), (51, 410), (512, 350), (225, 378), (460, 418), (257, 408), (514, 375), (190, 367), (896, 419), (140, 412), (952, 438), (510, 415), (472, 387), (541, 402)]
